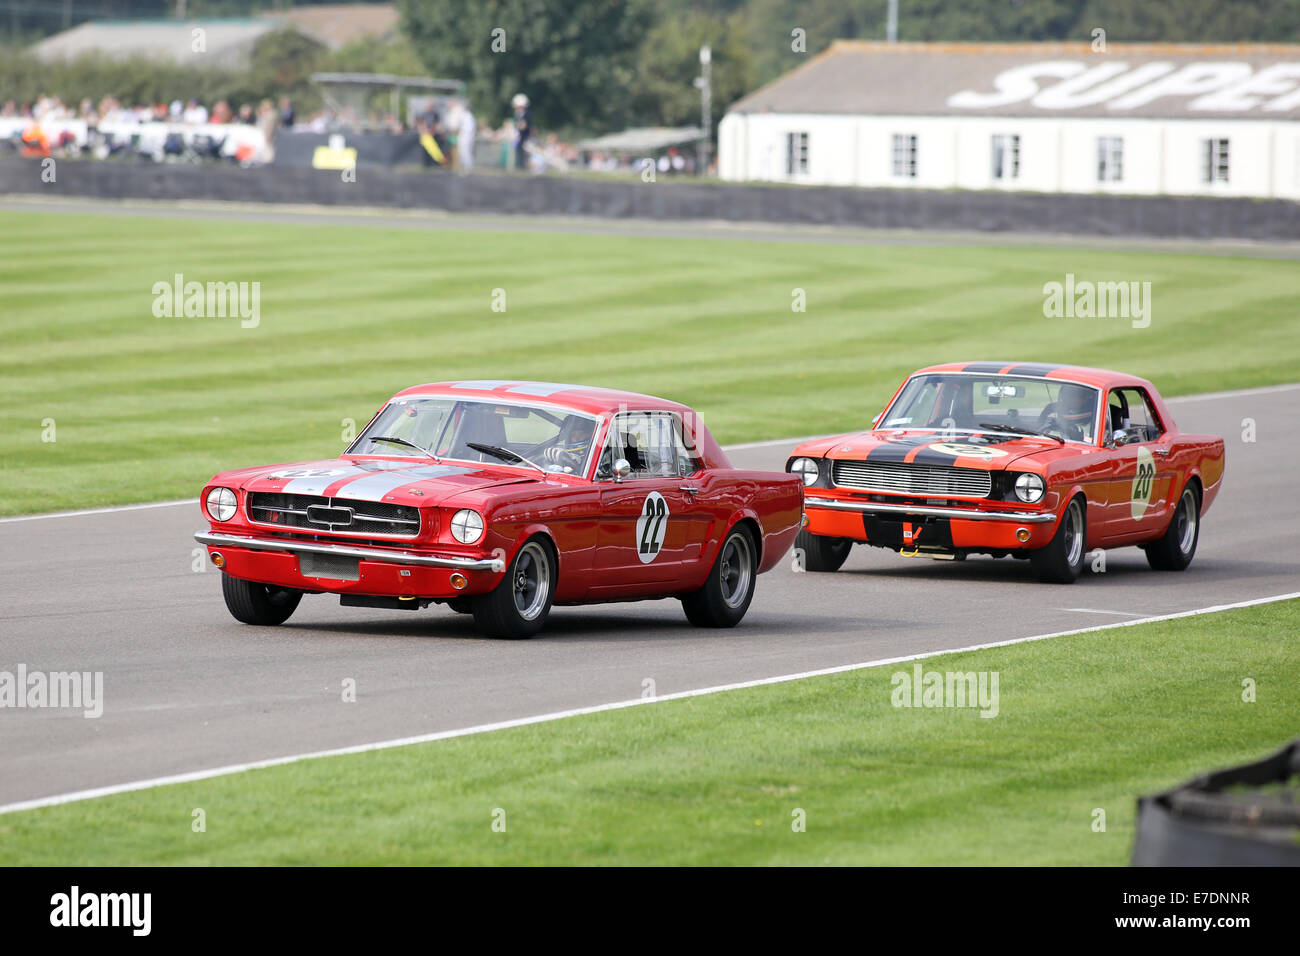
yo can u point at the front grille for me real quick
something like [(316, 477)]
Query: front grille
[(909, 479), (333, 515)]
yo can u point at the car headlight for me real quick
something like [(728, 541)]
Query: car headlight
[(466, 526), (806, 468), (1030, 488), (221, 504)]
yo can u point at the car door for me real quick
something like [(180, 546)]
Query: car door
[(1137, 498), (645, 530)]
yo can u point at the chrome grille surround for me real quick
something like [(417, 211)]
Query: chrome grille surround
[(321, 515)]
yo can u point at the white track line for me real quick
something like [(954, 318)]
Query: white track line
[(772, 443), (103, 511), (197, 775)]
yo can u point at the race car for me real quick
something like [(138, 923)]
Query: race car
[(1037, 461), (502, 499)]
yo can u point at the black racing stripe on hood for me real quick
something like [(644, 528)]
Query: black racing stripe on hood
[(1033, 368), (898, 449), (984, 367)]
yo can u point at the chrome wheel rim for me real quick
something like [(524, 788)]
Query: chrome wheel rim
[(531, 580), (1073, 537), (736, 569), (1186, 519)]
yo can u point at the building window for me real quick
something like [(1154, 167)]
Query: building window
[(905, 155), (1110, 159), (1006, 156), (1214, 160), (796, 153)]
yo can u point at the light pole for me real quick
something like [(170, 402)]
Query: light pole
[(891, 22), (706, 107)]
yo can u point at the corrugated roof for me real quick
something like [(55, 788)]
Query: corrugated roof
[(643, 139), (1040, 79), (224, 41), (338, 24)]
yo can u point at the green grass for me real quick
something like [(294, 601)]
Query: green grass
[(149, 408), (1085, 722)]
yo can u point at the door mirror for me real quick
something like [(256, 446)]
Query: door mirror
[(876, 421), (1121, 438), (622, 468)]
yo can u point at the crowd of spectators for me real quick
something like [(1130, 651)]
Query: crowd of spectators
[(450, 133)]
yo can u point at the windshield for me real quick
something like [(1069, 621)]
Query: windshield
[(556, 439), (985, 403)]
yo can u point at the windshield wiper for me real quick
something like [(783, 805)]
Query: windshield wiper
[(505, 454), (1017, 430), (402, 441)]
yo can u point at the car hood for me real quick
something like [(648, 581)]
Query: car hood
[(963, 449), (378, 479)]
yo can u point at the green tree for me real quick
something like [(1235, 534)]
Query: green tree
[(576, 59), (669, 60)]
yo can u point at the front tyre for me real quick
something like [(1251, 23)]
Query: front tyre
[(821, 553), (729, 588), (1061, 560), (1174, 550), (518, 606), (261, 604)]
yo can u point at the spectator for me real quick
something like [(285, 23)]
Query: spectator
[(195, 113), (246, 115), (267, 121), (523, 129), (286, 112), (465, 137)]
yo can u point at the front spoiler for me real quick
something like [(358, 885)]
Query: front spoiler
[(217, 540), (961, 514)]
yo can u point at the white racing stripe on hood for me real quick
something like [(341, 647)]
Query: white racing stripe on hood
[(375, 486)]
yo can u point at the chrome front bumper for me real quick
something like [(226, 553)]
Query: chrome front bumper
[(218, 540), (964, 514)]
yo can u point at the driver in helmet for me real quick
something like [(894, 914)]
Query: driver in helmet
[(1073, 412), (569, 452)]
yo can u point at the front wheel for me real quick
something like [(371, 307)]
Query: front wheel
[(727, 591), (1061, 560), (518, 606), (1174, 550), (821, 553), (254, 603)]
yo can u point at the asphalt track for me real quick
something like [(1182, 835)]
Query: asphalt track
[(186, 688)]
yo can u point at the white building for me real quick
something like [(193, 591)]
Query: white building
[(1142, 119)]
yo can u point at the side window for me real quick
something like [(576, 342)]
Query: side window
[(688, 456), (1137, 416), (648, 440)]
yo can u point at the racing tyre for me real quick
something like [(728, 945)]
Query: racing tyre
[(254, 603), (1176, 548), (725, 596), (1061, 561), (518, 606), (821, 553)]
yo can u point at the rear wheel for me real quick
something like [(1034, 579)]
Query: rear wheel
[(729, 588), (518, 606), (821, 553), (1176, 548), (1061, 561), (254, 603)]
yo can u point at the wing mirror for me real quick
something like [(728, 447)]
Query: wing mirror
[(1121, 438), (622, 468), (876, 421)]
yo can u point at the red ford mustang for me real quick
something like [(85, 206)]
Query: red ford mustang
[(501, 499), (1043, 462)]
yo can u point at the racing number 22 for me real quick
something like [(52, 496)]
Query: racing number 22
[(652, 520)]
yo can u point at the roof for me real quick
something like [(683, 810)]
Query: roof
[(337, 24), (1097, 377), (642, 139), (226, 42), (582, 398), (1152, 80)]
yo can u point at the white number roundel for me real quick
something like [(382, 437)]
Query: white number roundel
[(651, 526), (1143, 478)]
